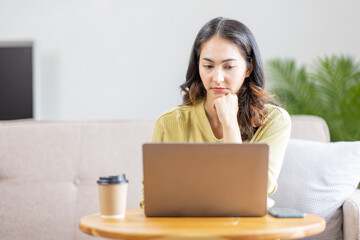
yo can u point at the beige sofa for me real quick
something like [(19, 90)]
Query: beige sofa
[(48, 171)]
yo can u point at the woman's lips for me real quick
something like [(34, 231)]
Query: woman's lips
[(219, 89)]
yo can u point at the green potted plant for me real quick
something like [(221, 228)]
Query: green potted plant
[(330, 89)]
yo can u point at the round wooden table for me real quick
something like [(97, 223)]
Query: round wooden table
[(136, 226)]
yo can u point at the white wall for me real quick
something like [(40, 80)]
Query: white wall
[(116, 59)]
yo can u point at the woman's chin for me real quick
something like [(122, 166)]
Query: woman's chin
[(219, 94)]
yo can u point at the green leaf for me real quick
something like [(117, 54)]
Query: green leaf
[(331, 90)]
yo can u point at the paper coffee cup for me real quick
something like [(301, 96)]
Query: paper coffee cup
[(112, 196)]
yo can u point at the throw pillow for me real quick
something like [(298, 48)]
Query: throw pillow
[(316, 178)]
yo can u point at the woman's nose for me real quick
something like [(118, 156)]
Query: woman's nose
[(218, 76)]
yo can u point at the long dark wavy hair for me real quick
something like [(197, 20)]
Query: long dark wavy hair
[(251, 95)]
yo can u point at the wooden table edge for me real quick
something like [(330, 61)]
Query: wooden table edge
[(310, 230)]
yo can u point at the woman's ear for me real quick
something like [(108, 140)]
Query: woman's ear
[(249, 71)]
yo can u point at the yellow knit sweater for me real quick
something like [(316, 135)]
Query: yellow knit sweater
[(190, 124)]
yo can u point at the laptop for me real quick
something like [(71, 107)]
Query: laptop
[(205, 179)]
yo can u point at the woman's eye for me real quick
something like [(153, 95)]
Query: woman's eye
[(229, 67), (208, 66)]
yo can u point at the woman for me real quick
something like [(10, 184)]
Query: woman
[(224, 99)]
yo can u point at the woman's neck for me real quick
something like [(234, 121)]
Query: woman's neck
[(214, 121), (210, 113)]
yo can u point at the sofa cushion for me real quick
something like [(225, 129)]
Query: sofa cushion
[(351, 213), (48, 173), (316, 178)]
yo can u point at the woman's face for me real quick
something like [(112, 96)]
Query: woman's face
[(222, 67)]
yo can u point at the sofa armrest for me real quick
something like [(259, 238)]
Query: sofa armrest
[(351, 214)]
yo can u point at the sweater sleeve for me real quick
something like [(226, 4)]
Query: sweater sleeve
[(157, 137), (276, 133), (158, 132)]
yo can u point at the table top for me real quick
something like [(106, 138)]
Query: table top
[(137, 226)]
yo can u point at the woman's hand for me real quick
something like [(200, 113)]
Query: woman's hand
[(226, 108)]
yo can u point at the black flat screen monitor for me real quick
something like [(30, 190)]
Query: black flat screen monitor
[(16, 81)]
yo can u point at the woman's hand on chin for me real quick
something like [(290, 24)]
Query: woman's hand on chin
[(226, 108)]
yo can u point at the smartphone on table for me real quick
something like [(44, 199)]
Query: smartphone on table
[(285, 212)]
